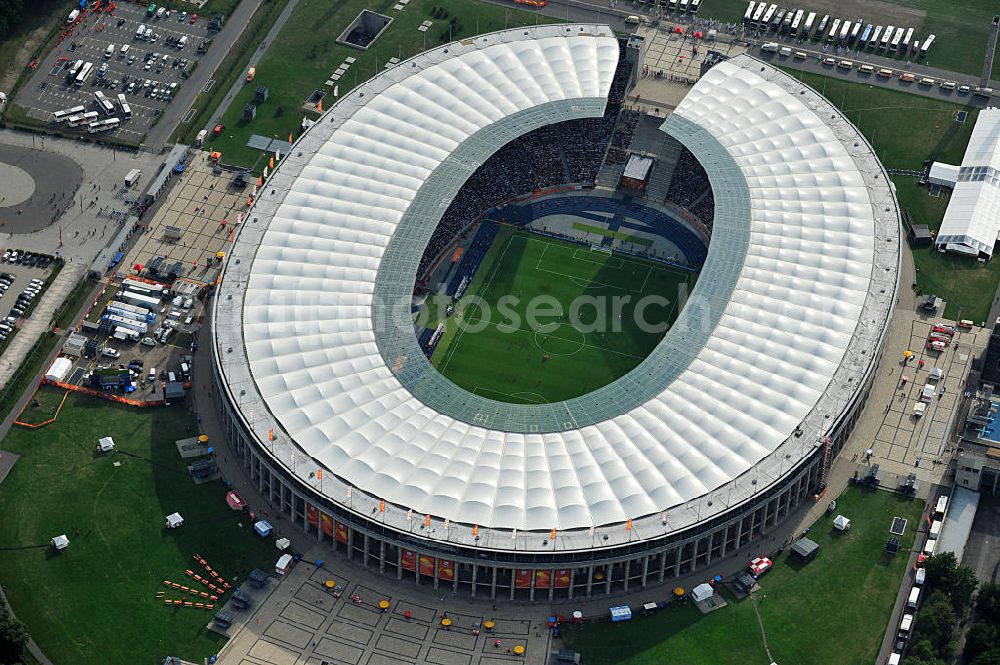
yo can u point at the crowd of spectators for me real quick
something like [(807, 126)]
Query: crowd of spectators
[(619, 84), (691, 189), (622, 138)]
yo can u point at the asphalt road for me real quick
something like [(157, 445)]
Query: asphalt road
[(157, 137)]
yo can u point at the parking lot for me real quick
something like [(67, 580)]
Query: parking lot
[(14, 279), (149, 72)]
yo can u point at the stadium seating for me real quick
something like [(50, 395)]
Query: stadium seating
[(690, 188)]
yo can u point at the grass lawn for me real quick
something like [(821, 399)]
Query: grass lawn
[(832, 611), (967, 285), (500, 354), (305, 54), (95, 602), (904, 129)]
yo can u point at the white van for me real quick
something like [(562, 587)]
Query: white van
[(920, 576), (911, 602), (907, 622), (634, 20), (149, 33), (124, 50), (152, 374), (784, 52), (183, 42), (140, 32), (171, 377), (110, 51), (929, 546)]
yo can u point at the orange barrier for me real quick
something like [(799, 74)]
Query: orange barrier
[(44, 422), (187, 603), (102, 394)]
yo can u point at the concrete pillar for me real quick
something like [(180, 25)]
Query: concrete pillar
[(645, 570), (663, 566), (381, 556), (572, 581), (364, 557), (590, 580), (552, 583), (399, 563), (531, 591), (475, 570), (350, 542), (493, 585), (513, 581), (628, 572), (454, 582)]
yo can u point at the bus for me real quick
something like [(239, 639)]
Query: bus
[(856, 30), (84, 74), (821, 28), (866, 34), (103, 125), (82, 119), (896, 39), (758, 14), (875, 35), (695, 4), (886, 37), (926, 46), (748, 16), (808, 25), (104, 103), (834, 29), (765, 20), (778, 18), (845, 30), (797, 21), (59, 116), (906, 39), (74, 69), (126, 109)]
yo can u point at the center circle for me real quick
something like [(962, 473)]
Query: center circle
[(563, 340)]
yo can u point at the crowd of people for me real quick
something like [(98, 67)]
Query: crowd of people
[(691, 189), (622, 138)]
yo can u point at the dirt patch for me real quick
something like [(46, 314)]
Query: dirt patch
[(875, 12)]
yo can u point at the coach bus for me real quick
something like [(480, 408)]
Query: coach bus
[(797, 21), (896, 38), (126, 109), (926, 46), (748, 15), (695, 5), (875, 35), (855, 31), (84, 74), (834, 29), (758, 14), (886, 37), (808, 25), (845, 31), (905, 44), (73, 71), (866, 34), (65, 114), (82, 119), (104, 103)]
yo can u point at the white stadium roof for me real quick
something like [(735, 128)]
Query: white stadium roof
[(785, 322), (971, 223)]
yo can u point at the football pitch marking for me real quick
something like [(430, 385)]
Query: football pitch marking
[(528, 396), (583, 281)]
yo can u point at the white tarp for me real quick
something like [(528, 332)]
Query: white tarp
[(174, 520), (282, 543), (703, 591), (945, 175), (106, 444), (59, 370), (842, 523)]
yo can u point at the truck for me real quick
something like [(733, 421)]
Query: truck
[(252, 72), (132, 177), (139, 299), (770, 47), (73, 15), (138, 326), (74, 69)]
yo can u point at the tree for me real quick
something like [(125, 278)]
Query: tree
[(940, 569), (980, 638), (988, 658), (13, 637), (922, 652), (936, 623), (988, 603), (962, 587)]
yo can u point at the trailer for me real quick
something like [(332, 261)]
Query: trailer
[(125, 314), (138, 326), (906, 39), (142, 287), (886, 38), (139, 299), (808, 25), (147, 314), (926, 46)]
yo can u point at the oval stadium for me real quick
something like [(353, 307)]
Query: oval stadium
[(411, 187)]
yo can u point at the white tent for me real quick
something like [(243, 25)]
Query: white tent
[(282, 543), (59, 370), (174, 520), (841, 523), (60, 542), (703, 591), (105, 444)]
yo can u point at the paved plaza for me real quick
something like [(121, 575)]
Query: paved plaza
[(194, 211)]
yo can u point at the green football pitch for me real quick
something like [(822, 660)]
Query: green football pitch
[(546, 320)]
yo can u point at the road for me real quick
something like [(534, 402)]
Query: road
[(235, 24), (254, 59)]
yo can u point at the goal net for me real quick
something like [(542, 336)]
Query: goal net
[(603, 250)]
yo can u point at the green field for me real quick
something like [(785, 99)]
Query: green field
[(306, 53), (831, 611), (95, 602), (503, 357)]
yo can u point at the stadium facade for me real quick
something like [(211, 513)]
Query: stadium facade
[(699, 451)]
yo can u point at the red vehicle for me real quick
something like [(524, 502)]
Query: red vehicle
[(194, 17), (935, 345), (940, 338), (217, 130), (759, 566), (943, 329)]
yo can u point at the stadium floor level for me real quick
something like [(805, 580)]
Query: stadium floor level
[(535, 576)]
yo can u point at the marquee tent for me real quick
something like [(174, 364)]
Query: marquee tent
[(174, 520), (703, 591)]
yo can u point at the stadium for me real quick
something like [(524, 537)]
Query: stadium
[(728, 424)]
